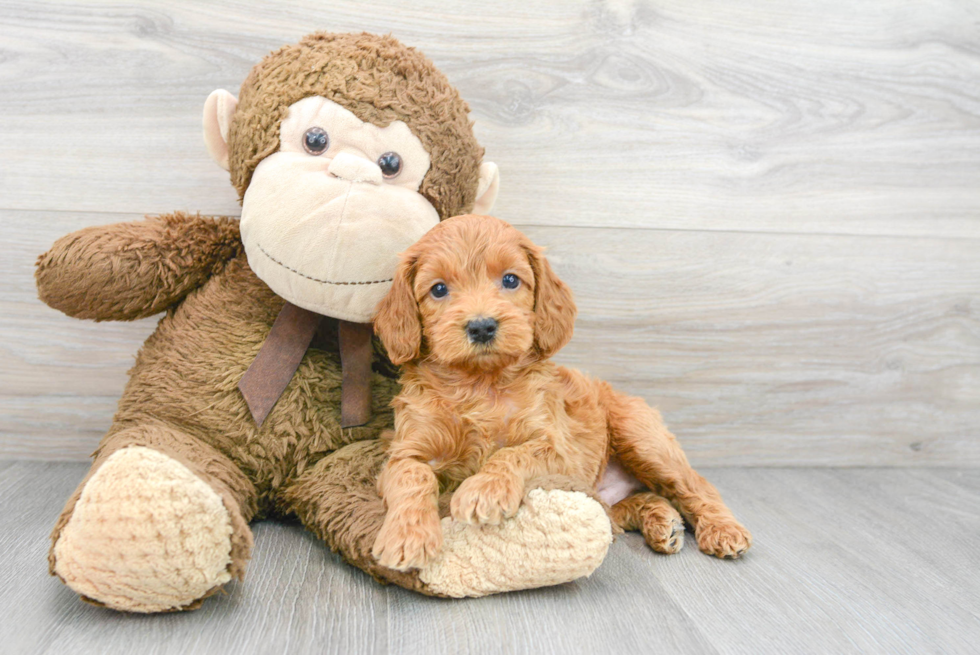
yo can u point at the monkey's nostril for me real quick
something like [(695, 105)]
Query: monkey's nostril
[(481, 330), (353, 168)]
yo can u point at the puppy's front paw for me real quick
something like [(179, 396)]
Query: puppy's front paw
[(486, 498), (408, 541), (728, 540)]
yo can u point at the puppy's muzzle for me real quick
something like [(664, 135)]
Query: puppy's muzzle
[(481, 330)]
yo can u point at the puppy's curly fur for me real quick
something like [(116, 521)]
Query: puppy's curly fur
[(474, 313)]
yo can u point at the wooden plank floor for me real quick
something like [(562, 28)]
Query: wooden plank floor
[(845, 561)]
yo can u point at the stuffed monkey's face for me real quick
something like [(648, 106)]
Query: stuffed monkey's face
[(325, 217)]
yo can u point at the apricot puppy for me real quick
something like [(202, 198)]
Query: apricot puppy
[(473, 314)]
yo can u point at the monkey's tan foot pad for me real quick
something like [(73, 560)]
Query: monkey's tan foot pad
[(556, 537), (146, 535)]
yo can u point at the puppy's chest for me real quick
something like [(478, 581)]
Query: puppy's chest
[(482, 428)]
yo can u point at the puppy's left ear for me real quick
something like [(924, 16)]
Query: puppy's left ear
[(554, 306), (397, 321)]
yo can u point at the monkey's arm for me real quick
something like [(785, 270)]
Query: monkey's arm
[(132, 270)]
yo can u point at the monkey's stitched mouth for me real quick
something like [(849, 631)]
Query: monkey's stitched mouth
[(314, 279)]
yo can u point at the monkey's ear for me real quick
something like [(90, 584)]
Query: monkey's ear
[(554, 306), (397, 321), (218, 110), (486, 191)]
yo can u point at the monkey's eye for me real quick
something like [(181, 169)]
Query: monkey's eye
[(439, 290), (316, 141), (390, 164), (510, 281)]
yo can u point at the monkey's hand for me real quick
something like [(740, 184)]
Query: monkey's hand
[(132, 270)]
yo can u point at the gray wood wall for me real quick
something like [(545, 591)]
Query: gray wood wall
[(770, 212)]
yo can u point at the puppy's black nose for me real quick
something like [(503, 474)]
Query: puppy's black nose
[(481, 330)]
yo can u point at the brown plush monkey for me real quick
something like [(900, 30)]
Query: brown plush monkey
[(344, 150)]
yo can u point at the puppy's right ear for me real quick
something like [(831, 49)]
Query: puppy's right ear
[(397, 321)]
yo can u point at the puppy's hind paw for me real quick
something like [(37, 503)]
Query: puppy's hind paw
[(727, 540), (664, 536)]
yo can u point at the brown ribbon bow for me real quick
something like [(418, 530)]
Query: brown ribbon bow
[(282, 352)]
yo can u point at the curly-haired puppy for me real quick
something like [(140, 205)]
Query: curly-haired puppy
[(474, 313)]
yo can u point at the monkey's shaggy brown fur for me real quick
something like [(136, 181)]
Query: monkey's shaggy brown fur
[(380, 81), (182, 398)]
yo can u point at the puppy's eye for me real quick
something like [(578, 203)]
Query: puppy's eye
[(510, 281), (316, 141), (390, 164), (439, 290)]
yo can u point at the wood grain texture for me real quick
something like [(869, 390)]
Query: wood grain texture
[(808, 117), (770, 214), (758, 348), (845, 561)]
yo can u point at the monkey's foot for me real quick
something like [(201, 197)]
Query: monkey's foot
[(146, 535), (556, 536)]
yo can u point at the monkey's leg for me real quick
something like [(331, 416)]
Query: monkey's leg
[(159, 523), (655, 517), (558, 534), (649, 451)]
